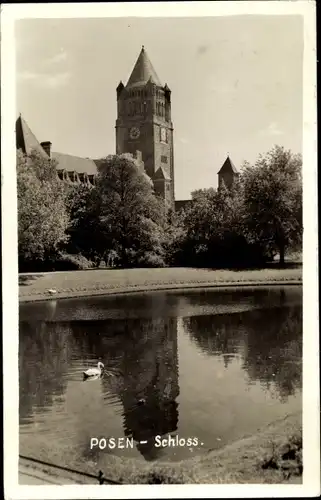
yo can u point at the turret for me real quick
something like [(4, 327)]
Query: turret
[(227, 174), (119, 89)]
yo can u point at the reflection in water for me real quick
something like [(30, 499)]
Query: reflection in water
[(44, 355), (270, 345), (146, 372), (255, 334)]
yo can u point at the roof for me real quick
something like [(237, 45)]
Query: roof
[(143, 71), (161, 174), (75, 163), (26, 140), (228, 166)]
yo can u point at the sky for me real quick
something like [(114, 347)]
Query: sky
[(236, 85)]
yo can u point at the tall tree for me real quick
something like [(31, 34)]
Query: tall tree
[(213, 227), (88, 236), (42, 214), (272, 190), (129, 210)]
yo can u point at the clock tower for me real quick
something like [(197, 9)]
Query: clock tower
[(144, 124)]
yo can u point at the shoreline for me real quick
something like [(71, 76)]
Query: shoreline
[(272, 455), (76, 284)]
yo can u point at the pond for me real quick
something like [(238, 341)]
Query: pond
[(210, 365)]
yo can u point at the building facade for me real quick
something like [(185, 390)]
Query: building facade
[(144, 124), (144, 129)]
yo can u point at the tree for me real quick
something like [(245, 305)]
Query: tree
[(42, 214), (174, 238), (129, 210), (213, 224), (88, 236), (272, 190)]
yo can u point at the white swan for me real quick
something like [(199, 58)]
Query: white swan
[(94, 372)]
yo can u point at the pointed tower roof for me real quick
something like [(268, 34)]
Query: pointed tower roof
[(26, 140), (228, 166), (143, 71)]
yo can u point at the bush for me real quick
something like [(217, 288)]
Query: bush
[(59, 262), (70, 262), (151, 259)]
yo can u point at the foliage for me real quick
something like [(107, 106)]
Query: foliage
[(272, 190), (214, 229), (130, 213), (123, 222), (174, 238), (88, 235), (42, 215), (150, 259), (247, 224), (69, 262)]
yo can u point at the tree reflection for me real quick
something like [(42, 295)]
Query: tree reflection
[(44, 355), (216, 334), (269, 341), (274, 349), (142, 354), (261, 297)]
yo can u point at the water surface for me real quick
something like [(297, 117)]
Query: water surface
[(211, 364)]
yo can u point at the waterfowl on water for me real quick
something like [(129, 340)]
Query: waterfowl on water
[(94, 372)]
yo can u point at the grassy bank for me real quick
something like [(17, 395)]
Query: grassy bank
[(107, 281), (271, 456)]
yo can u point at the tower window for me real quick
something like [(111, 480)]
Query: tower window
[(163, 135), (164, 159)]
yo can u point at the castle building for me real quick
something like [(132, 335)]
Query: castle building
[(70, 169), (144, 129), (144, 124)]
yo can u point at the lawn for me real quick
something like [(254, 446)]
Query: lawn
[(106, 281), (272, 456)]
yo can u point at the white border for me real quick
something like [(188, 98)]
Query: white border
[(311, 457)]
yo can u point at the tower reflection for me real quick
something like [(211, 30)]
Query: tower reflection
[(142, 355), (149, 392)]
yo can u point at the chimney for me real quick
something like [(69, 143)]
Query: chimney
[(46, 146)]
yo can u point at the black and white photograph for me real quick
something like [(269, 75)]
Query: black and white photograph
[(159, 179)]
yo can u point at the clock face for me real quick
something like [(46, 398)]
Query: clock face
[(134, 133), (163, 134)]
